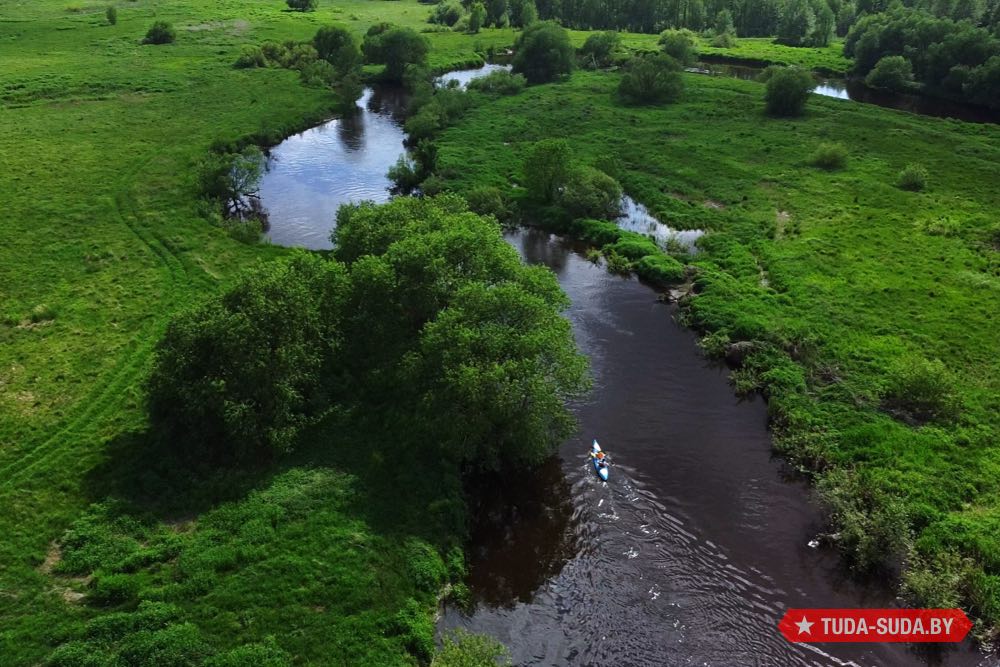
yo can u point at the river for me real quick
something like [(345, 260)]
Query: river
[(700, 540)]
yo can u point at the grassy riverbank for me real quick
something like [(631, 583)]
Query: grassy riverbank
[(106, 238), (842, 282)]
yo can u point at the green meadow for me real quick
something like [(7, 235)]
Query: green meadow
[(844, 290)]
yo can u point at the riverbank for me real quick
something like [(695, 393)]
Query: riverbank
[(794, 266)]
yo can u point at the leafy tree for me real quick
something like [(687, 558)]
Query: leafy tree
[(681, 45), (542, 52), (301, 5), (160, 32), (396, 48), (546, 168), (983, 84), (596, 52), (590, 193), (824, 26), (446, 13), (462, 649), (787, 90), (477, 16), (237, 377), (798, 21), (111, 14), (724, 23), (233, 179), (497, 13), (892, 73), (529, 13), (336, 45), (651, 79)]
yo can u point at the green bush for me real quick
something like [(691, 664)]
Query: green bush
[(462, 649), (301, 5), (266, 654), (543, 53), (787, 90), (274, 53), (546, 168), (892, 73), (590, 193), (299, 56), (633, 247), (500, 82), (446, 13), (160, 32), (598, 232), (487, 200), (413, 625), (921, 390), (337, 46), (651, 79), (912, 177), (111, 14), (251, 56), (174, 646), (681, 45), (830, 156), (477, 15), (396, 48), (723, 40), (598, 50), (78, 654), (318, 74), (617, 263), (113, 589), (425, 567), (660, 269)]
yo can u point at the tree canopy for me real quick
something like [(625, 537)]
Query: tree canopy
[(542, 52), (396, 48)]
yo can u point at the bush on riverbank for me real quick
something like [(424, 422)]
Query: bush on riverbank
[(787, 90)]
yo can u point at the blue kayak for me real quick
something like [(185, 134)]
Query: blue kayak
[(600, 464)]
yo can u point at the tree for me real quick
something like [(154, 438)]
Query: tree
[(160, 32), (724, 23), (542, 52), (590, 193), (301, 5), (546, 168), (983, 84), (891, 73), (681, 45), (446, 13), (787, 90), (477, 16), (336, 45), (529, 13), (111, 14), (798, 21), (497, 13), (237, 377), (596, 52), (396, 48), (233, 179), (651, 79), (824, 26)]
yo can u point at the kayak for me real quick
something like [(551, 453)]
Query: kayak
[(602, 470)]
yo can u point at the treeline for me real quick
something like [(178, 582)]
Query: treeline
[(422, 314), (952, 58)]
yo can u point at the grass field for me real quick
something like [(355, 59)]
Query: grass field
[(105, 238), (834, 277)]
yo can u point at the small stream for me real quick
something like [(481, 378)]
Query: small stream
[(699, 542)]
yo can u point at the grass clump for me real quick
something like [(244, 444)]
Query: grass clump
[(660, 269), (921, 390), (829, 156), (912, 177), (251, 56)]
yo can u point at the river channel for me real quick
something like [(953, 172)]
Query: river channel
[(692, 551)]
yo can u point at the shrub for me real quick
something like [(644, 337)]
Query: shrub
[(487, 200), (405, 175), (617, 264), (446, 13), (174, 646), (425, 566), (829, 156), (336, 45), (912, 177), (633, 247), (266, 654), (891, 72), (660, 269), (413, 625), (111, 14), (251, 56), (681, 45), (651, 79), (300, 56), (301, 5), (787, 90), (500, 82), (542, 52), (597, 51), (598, 232), (546, 168), (921, 390), (590, 193), (723, 40), (160, 32), (318, 74), (113, 589), (240, 375), (462, 649), (274, 53)]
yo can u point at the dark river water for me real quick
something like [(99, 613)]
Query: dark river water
[(692, 551)]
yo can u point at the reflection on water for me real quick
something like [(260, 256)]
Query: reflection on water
[(849, 89), (637, 218), (464, 76)]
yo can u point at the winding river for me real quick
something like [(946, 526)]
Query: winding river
[(699, 542)]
